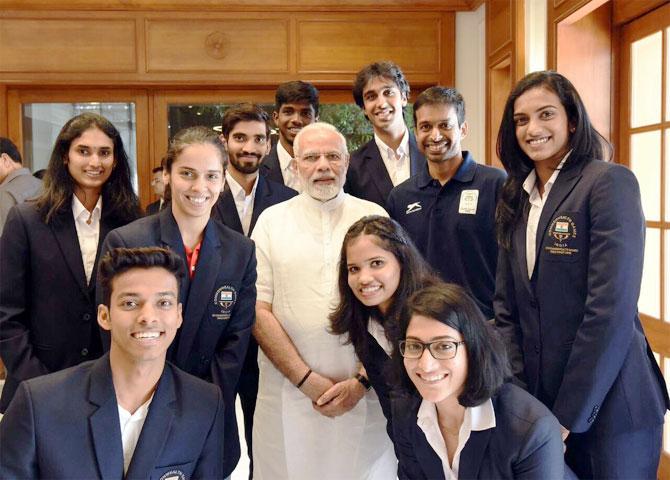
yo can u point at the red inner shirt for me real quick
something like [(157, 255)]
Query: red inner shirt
[(192, 258)]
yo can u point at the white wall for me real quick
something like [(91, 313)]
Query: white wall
[(536, 35), (471, 76)]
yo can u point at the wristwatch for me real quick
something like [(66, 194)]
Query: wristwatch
[(364, 381)]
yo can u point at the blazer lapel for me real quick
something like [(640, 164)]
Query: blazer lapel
[(377, 170), (105, 427), (564, 184), (200, 291), (171, 238), (105, 228), (519, 240), (66, 235), (156, 428), (261, 200), (473, 453), (426, 456), (228, 210)]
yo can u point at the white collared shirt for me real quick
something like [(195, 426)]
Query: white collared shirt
[(88, 232), (376, 329), (291, 178), (481, 417), (131, 427), (395, 161), (536, 205), (243, 202)]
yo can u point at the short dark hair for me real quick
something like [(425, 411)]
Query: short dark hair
[(297, 92), (442, 96), (8, 147), (383, 69), (350, 318), (157, 169), (244, 112), (120, 260), (488, 367)]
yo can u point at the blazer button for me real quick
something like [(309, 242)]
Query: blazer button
[(87, 317), (84, 352), (537, 349)]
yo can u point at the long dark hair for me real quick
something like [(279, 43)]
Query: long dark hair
[(119, 202), (488, 367), (585, 142), (350, 318)]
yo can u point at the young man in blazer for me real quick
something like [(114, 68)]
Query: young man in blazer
[(296, 105), (392, 156), (246, 132), (128, 414)]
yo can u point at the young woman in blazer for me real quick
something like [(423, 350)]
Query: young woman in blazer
[(50, 251), (218, 293), (379, 268), (571, 232), (453, 416)]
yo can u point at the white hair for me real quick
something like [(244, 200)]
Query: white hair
[(321, 126)]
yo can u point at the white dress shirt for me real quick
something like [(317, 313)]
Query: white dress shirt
[(88, 232), (131, 427), (481, 417), (291, 178), (243, 202), (396, 161), (376, 329), (537, 202)]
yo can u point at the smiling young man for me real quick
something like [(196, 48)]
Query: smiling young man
[(448, 209), (391, 157), (128, 414), (246, 131), (296, 106)]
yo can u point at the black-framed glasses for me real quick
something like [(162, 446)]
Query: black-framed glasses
[(439, 349)]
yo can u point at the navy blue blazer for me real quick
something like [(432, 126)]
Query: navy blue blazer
[(573, 329), (525, 443), (376, 362), (47, 309), (66, 425), (268, 193), (153, 207), (367, 177), (270, 167), (218, 305)]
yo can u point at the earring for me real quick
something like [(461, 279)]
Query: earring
[(572, 129)]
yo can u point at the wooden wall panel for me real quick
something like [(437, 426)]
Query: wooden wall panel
[(3, 113), (201, 45), (624, 11), (415, 44), (62, 45), (584, 55), (505, 56)]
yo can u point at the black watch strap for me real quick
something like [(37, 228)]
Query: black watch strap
[(364, 381)]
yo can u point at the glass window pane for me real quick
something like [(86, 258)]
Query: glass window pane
[(42, 123), (645, 161), (667, 74), (650, 301), (646, 64)]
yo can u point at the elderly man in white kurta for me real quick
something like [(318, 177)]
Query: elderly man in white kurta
[(313, 418)]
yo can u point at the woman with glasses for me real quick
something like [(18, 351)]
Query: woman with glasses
[(379, 268), (454, 417)]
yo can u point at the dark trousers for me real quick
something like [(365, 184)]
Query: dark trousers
[(629, 455), (247, 389)]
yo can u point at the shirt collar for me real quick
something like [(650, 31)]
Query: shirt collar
[(237, 190), (403, 148), (284, 157), (78, 208), (480, 417), (465, 172), (530, 183)]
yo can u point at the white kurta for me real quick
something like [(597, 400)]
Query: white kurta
[(298, 245)]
